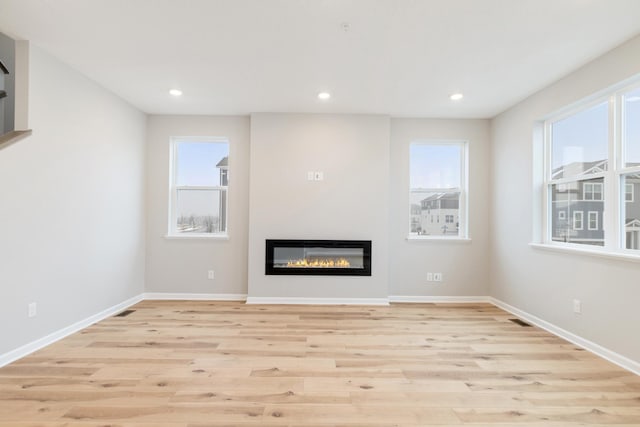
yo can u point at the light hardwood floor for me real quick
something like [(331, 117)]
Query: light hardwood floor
[(197, 364)]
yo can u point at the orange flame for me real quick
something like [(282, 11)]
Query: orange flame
[(319, 263)]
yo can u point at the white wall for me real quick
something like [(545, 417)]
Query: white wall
[(181, 265), (72, 208), (545, 283), (350, 203), (465, 265)]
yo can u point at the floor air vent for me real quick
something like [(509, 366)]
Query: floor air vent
[(124, 313), (520, 322)]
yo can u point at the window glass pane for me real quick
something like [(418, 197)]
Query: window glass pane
[(631, 134), (631, 210), (201, 163), (435, 166), (579, 143), (201, 211), (577, 211), (435, 213)]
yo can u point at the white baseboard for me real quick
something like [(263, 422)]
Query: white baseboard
[(207, 297), (318, 301), (605, 353), (27, 349), (611, 356), (437, 299)]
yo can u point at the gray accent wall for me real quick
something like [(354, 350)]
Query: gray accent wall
[(350, 203)]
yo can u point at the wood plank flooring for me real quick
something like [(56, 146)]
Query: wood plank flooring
[(202, 363)]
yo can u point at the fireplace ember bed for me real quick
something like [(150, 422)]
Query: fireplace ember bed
[(318, 257)]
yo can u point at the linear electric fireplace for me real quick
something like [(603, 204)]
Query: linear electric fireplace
[(318, 257)]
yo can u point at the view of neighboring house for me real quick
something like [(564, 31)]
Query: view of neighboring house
[(7, 52), (439, 214), (415, 218), (577, 213), (223, 165)]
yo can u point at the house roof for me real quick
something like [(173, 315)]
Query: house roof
[(223, 163), (632, 222), (579, 169), (442, 196), (584, 168)]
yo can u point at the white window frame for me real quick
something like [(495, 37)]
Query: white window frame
[(589, 219), (613, 192), (174, 188), (463, 207), (627, 192), (578, 217)]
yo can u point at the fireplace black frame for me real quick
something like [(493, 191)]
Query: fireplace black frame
[(271, 244)]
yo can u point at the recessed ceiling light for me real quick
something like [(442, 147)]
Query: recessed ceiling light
[(324, 96), (456, 96), (175, 92)]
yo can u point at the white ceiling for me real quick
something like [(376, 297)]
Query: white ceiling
[(399, 57)]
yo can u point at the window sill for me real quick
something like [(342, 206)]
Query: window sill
[(456, 239), (586, 251), (196, 237)]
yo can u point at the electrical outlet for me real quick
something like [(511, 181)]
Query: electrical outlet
[(33, 309), (577, 306), (310, 176), (429, 277), (437, 277), (211, 275)]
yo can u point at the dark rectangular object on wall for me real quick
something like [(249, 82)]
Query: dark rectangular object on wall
[(318, 257)]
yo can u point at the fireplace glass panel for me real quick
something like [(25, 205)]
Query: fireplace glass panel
[(318, 257)]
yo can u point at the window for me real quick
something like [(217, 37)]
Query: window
[(592, 217), (630, 173), (628, 192), (592, 191), (577, 220), (438, 187), (592, 164), (199, 187)]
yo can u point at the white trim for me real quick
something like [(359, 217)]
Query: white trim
[(598, 350), (196, 236), (589, 220), (626, 186), (318, 301), (456, 239), (29, 348), (463, 189), (573, 223), (588, 250), (436, 299), (185, 296), (173, 175)]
